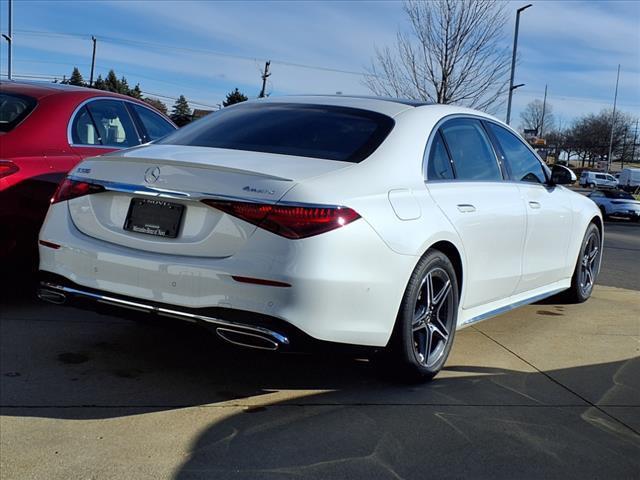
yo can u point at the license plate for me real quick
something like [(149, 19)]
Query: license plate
[(154, 217)]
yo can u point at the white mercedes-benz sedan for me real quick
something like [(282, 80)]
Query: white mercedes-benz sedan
[(296, 221)]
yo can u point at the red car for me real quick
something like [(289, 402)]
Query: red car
[(45, 130)]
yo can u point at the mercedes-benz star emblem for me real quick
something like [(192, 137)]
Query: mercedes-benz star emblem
[(152, 174)]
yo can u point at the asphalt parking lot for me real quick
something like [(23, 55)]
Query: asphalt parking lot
[(546, 391)]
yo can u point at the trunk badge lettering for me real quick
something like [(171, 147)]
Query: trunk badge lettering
[(259, 190), (152, 174)]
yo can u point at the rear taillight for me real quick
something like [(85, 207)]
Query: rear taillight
[(288, 221), (7, 168), (69, 189)]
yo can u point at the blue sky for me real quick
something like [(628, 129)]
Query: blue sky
[(205, 49)]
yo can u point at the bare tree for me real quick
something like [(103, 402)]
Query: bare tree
[(454, 54), (537, 116)]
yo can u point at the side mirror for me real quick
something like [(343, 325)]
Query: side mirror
[(561, 175)]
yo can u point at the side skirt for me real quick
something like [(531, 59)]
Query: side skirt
[(511, 306)]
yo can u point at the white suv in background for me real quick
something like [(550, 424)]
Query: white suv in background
[(599, 180)]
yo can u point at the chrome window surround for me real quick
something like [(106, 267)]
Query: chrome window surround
[(93, 99), (427, 151)]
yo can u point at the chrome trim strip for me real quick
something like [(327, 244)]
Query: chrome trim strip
[(275, 336), (221, 333), (510, 307), (193, 196)]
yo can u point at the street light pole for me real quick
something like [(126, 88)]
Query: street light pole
[(613, 121), (9, 38), (513, 60)]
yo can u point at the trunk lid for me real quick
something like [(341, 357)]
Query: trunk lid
[(182, 176)]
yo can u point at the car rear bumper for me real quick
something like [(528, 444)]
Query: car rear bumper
[(344, 286), (247, 329)]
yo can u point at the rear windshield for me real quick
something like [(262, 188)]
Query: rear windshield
[(617, 194), (317, 131), (14, 109)]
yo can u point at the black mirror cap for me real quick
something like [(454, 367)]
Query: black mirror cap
[(561, 175)]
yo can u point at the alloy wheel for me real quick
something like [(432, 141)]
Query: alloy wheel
[(433, 317), (589, 263)]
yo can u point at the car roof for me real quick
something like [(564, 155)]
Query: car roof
[(40, 90), (385, 105)]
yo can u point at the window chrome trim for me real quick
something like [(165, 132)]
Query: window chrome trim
[(432, 134), (543, 164), (105, 97)]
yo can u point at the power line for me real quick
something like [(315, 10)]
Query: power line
[(126, 41), (33, 76)]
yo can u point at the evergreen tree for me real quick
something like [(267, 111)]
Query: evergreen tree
[(181, 113), (234, 97), (123, 86), (64, 80), (76, 78), (99, 84), (112, 84), (157, 104), (135, 92)]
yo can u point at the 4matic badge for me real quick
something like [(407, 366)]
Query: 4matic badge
[(264, 191)]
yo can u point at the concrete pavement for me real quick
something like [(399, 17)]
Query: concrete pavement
[(546, 391)]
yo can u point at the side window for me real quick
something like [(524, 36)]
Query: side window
[(113, 122), (439, 167), (524, 165), (83, 131), (471, 151), (154, 124), (601, 177)]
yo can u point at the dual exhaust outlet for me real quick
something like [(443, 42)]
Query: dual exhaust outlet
[(240, 334)]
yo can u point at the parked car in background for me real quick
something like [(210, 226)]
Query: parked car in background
[(616, 203), (630, 179), (280, 223), (45, 130), (597, 180)]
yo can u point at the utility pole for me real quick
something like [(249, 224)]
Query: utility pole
[(512, 87), (93, 60), (624, 146), (613, 121), (544, 108), (265, 75), (9, 38), (635, 140)]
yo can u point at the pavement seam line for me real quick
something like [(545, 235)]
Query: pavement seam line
[(355, 404), (558, 382)]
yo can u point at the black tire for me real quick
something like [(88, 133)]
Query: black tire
[(582, 282), (439, 312)]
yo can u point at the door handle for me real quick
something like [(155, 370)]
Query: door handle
[(466, 207), (535, 205)]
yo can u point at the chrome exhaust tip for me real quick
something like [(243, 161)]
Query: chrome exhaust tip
[(51, 296), (246, 339)]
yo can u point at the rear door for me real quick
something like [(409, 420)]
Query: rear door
[(549, 212), (102, 126), (465, 179)]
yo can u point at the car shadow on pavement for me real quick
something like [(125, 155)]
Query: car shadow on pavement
[(320, 416), (487, 425)]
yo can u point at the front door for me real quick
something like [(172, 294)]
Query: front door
[(487, 212)]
